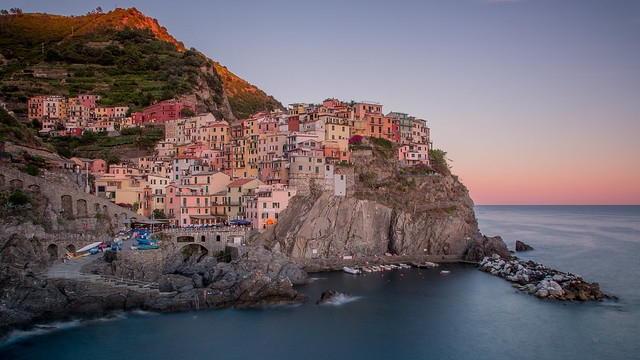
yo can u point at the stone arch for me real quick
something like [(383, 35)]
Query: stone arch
[(185, 238), (96, 208), (218, 238), (34, 188), (52, 250), (15, 184), (124, 215), (67, 206), (81, 208), (203, 238), (71, 248), (192, 249)]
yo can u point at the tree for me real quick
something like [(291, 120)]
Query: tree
[(159, 214), (15, 11), (187, 112)]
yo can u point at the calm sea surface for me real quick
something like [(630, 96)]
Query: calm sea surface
[(409, 314)]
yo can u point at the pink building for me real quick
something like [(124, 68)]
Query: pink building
[(267, 202), (88, 100), (412, 154), (94, 166), (188, 205), (162, 111)]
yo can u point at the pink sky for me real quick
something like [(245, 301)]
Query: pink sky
[(536, 102)]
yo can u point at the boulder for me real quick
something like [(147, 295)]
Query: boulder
[(331, 297), (173, 282), (520, 246)]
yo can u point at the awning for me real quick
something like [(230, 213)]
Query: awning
[(203, 217)]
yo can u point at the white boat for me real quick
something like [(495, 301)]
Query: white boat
[(349, 270), (367, 269), (89, 247), (444, 272)]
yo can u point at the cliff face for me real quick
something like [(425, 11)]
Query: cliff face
[(385, 211)]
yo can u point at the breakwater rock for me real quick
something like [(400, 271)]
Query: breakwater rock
[(333, 297), (520, 246), (541, 281)]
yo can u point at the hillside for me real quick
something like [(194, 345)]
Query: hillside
[(122, 55)]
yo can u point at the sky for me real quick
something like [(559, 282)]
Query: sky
[(536, 102)]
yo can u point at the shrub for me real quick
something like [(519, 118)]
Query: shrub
[(33, 170), (19, 198), (383, 143), (355, 140)]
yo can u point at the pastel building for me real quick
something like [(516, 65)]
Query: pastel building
[(237, 193), (162, 111), (412, 154), (188, 205), (266, 204)]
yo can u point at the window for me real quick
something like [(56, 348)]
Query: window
[(276, 215), (276, 205)]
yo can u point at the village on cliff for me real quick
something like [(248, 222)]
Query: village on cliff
[(208, 171)]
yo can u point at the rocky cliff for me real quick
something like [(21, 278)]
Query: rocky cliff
[(389, 208)]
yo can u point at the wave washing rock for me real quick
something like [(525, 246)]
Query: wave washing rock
[(333, 297), (541, 281)]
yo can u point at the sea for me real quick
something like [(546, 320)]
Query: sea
[(406, 314)]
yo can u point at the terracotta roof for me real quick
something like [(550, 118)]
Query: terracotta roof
[(240, 182)]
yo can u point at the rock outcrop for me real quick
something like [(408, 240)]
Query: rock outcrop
[(520, 246), (330, 226), (333, 297), (541, 281)]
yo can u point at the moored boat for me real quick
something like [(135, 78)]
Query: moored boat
[(143, 247), (353, 271)]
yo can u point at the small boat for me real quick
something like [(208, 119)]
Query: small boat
[(404, 266), (143, 247), (426, 265), (353, 271), (367, 269), (444, 272)]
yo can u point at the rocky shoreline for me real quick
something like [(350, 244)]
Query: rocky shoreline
[(541, 281)]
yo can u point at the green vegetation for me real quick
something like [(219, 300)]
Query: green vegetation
[(19, 198), (33, 170), (102, 146), (120, 56), (12, 130), (451, 209), (421, 169), (159, 214), (438, 159)]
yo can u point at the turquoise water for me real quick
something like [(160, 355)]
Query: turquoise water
[(408, 314)]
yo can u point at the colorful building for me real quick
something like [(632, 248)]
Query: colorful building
[(266, 204)]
